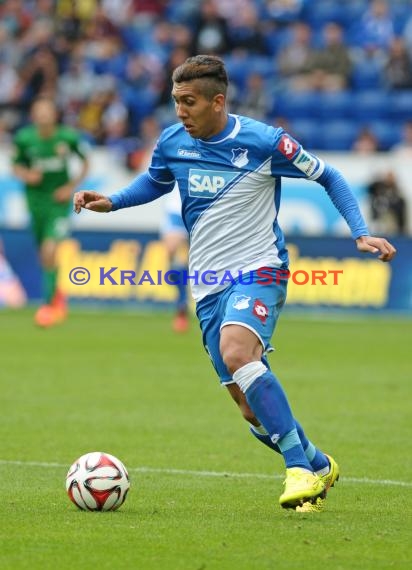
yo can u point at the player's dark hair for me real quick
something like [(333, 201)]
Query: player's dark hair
[(209, 69)]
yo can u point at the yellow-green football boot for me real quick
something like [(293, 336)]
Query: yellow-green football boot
[(301, 486), (329, 481)]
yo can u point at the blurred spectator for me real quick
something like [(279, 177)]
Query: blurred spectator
[(331, 64), (149, 131), (398, 69), (151, 8), (403, 149), (211, 33), (176, 58), (75, 86), (407, 35), (253, 101), (91, 114), (120, 12), (39, 74), (115, 120), (15, 16), (284, 11), (78, 49), (230, 10), (244, 31), (10, 84), (296, 59), (376, 27), (83, 10), (388, 207), (366, 142)]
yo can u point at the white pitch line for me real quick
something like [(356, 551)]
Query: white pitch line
[(170, 471)]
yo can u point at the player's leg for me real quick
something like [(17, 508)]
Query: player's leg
[(320, 462), (250, 318), (175, 242), (264, 395), (54, 229)]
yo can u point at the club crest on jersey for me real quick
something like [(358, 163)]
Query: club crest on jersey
[(261, 311), (241, 302), (287, 146), (207, 183), (239, 157)]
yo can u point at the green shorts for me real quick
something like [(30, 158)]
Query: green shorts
[(49, 220)]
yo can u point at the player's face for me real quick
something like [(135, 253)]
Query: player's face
[(43, 113), (201, 117)]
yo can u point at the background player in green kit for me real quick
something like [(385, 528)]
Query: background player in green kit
[(42, 150)]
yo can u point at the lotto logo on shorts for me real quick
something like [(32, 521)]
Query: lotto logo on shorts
[(260, 310), (287, 146), (207, 183)]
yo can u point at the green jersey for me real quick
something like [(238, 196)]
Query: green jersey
[(48, 155)]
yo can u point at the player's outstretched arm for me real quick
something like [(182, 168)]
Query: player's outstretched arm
[(91, 201), (372, 244)]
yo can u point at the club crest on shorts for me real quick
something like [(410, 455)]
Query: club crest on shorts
[(260, 310), (239, 157), (241, 302)]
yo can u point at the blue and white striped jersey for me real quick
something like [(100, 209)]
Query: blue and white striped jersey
[(230, 188)]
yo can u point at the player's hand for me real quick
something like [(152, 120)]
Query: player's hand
[(33, 176), (91, 201), (372, 244), (63, 194)]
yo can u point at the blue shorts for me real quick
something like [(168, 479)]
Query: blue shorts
[(256, 306)]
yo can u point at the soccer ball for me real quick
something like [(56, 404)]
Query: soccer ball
[(97, 482)]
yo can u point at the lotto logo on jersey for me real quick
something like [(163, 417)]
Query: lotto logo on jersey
[(260, 310), (287, 146), (207, 183)]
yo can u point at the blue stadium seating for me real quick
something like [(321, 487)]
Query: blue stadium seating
[(387, 133), (368, 105), (335, 105), (338, 134), (306, 131), (367, 74), (400, 105), (296, 104)]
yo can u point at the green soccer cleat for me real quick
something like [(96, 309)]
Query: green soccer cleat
[(301, 486), (329, 481)]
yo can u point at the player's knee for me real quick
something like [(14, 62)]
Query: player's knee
[(238, 347), (235, 356)]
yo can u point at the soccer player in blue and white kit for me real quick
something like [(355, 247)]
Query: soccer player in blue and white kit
[(229, 171)]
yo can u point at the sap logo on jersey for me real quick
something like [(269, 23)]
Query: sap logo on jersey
[(207, 183)]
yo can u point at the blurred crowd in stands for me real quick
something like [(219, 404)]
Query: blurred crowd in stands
[(337, 74)]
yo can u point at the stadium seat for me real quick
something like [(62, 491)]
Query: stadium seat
[(368, 105), (400, 105), (335, 105), (367, 74), (352, 12), (338, 135), (388, 133), (307, 132), (297, 104), (320, 12)]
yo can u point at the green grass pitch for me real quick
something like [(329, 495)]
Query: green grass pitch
[(202, 496)]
